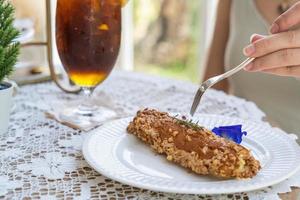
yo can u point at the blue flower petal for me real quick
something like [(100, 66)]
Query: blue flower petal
[(233, 133)]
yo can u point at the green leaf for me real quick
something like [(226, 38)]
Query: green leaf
[(7, 23), (2, 74), (9, 49)]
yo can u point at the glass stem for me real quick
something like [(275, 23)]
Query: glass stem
[(87, 108)]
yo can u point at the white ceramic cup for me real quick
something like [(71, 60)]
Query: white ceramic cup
[(5, 106)]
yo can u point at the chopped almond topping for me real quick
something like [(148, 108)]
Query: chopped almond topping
[(197, 149)]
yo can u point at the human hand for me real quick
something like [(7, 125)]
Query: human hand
[(278, 53)]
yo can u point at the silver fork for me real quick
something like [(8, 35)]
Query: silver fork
[(213, 80)]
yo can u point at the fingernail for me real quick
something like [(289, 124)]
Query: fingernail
[(249, 50), (253, 36), (248, 67), (274, 28)]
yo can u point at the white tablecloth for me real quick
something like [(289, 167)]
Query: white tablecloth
[(40, 158)]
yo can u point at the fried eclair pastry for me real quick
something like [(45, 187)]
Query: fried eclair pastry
[(192, 146)]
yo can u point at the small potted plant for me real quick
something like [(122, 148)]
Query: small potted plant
[(9, 51)]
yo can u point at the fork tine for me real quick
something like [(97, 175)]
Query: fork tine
[(196, 102)]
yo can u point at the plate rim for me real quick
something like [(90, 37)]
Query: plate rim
[(91, 162)]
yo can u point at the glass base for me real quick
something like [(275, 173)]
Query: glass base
[(87, 115), (87, 118), (87, 111)]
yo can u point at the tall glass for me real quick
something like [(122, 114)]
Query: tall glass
[(88, 34)]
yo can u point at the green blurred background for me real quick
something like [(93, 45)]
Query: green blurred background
[(167, 37)]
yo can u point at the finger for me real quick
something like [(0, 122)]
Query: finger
[(287, 20), (292, 71), (255, 37), (272, 43), (282, 58)]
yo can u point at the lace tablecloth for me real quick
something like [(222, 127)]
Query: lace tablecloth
[(42, 159)]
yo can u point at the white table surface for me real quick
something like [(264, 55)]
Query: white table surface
[(42, 159)]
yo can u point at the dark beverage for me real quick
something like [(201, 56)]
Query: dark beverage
[(88, 34)]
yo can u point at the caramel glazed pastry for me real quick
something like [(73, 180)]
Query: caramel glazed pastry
[(192, 146)]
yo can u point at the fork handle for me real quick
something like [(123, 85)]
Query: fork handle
[(236, 69)]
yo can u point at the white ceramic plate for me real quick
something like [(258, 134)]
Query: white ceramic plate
[(124, 158)]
